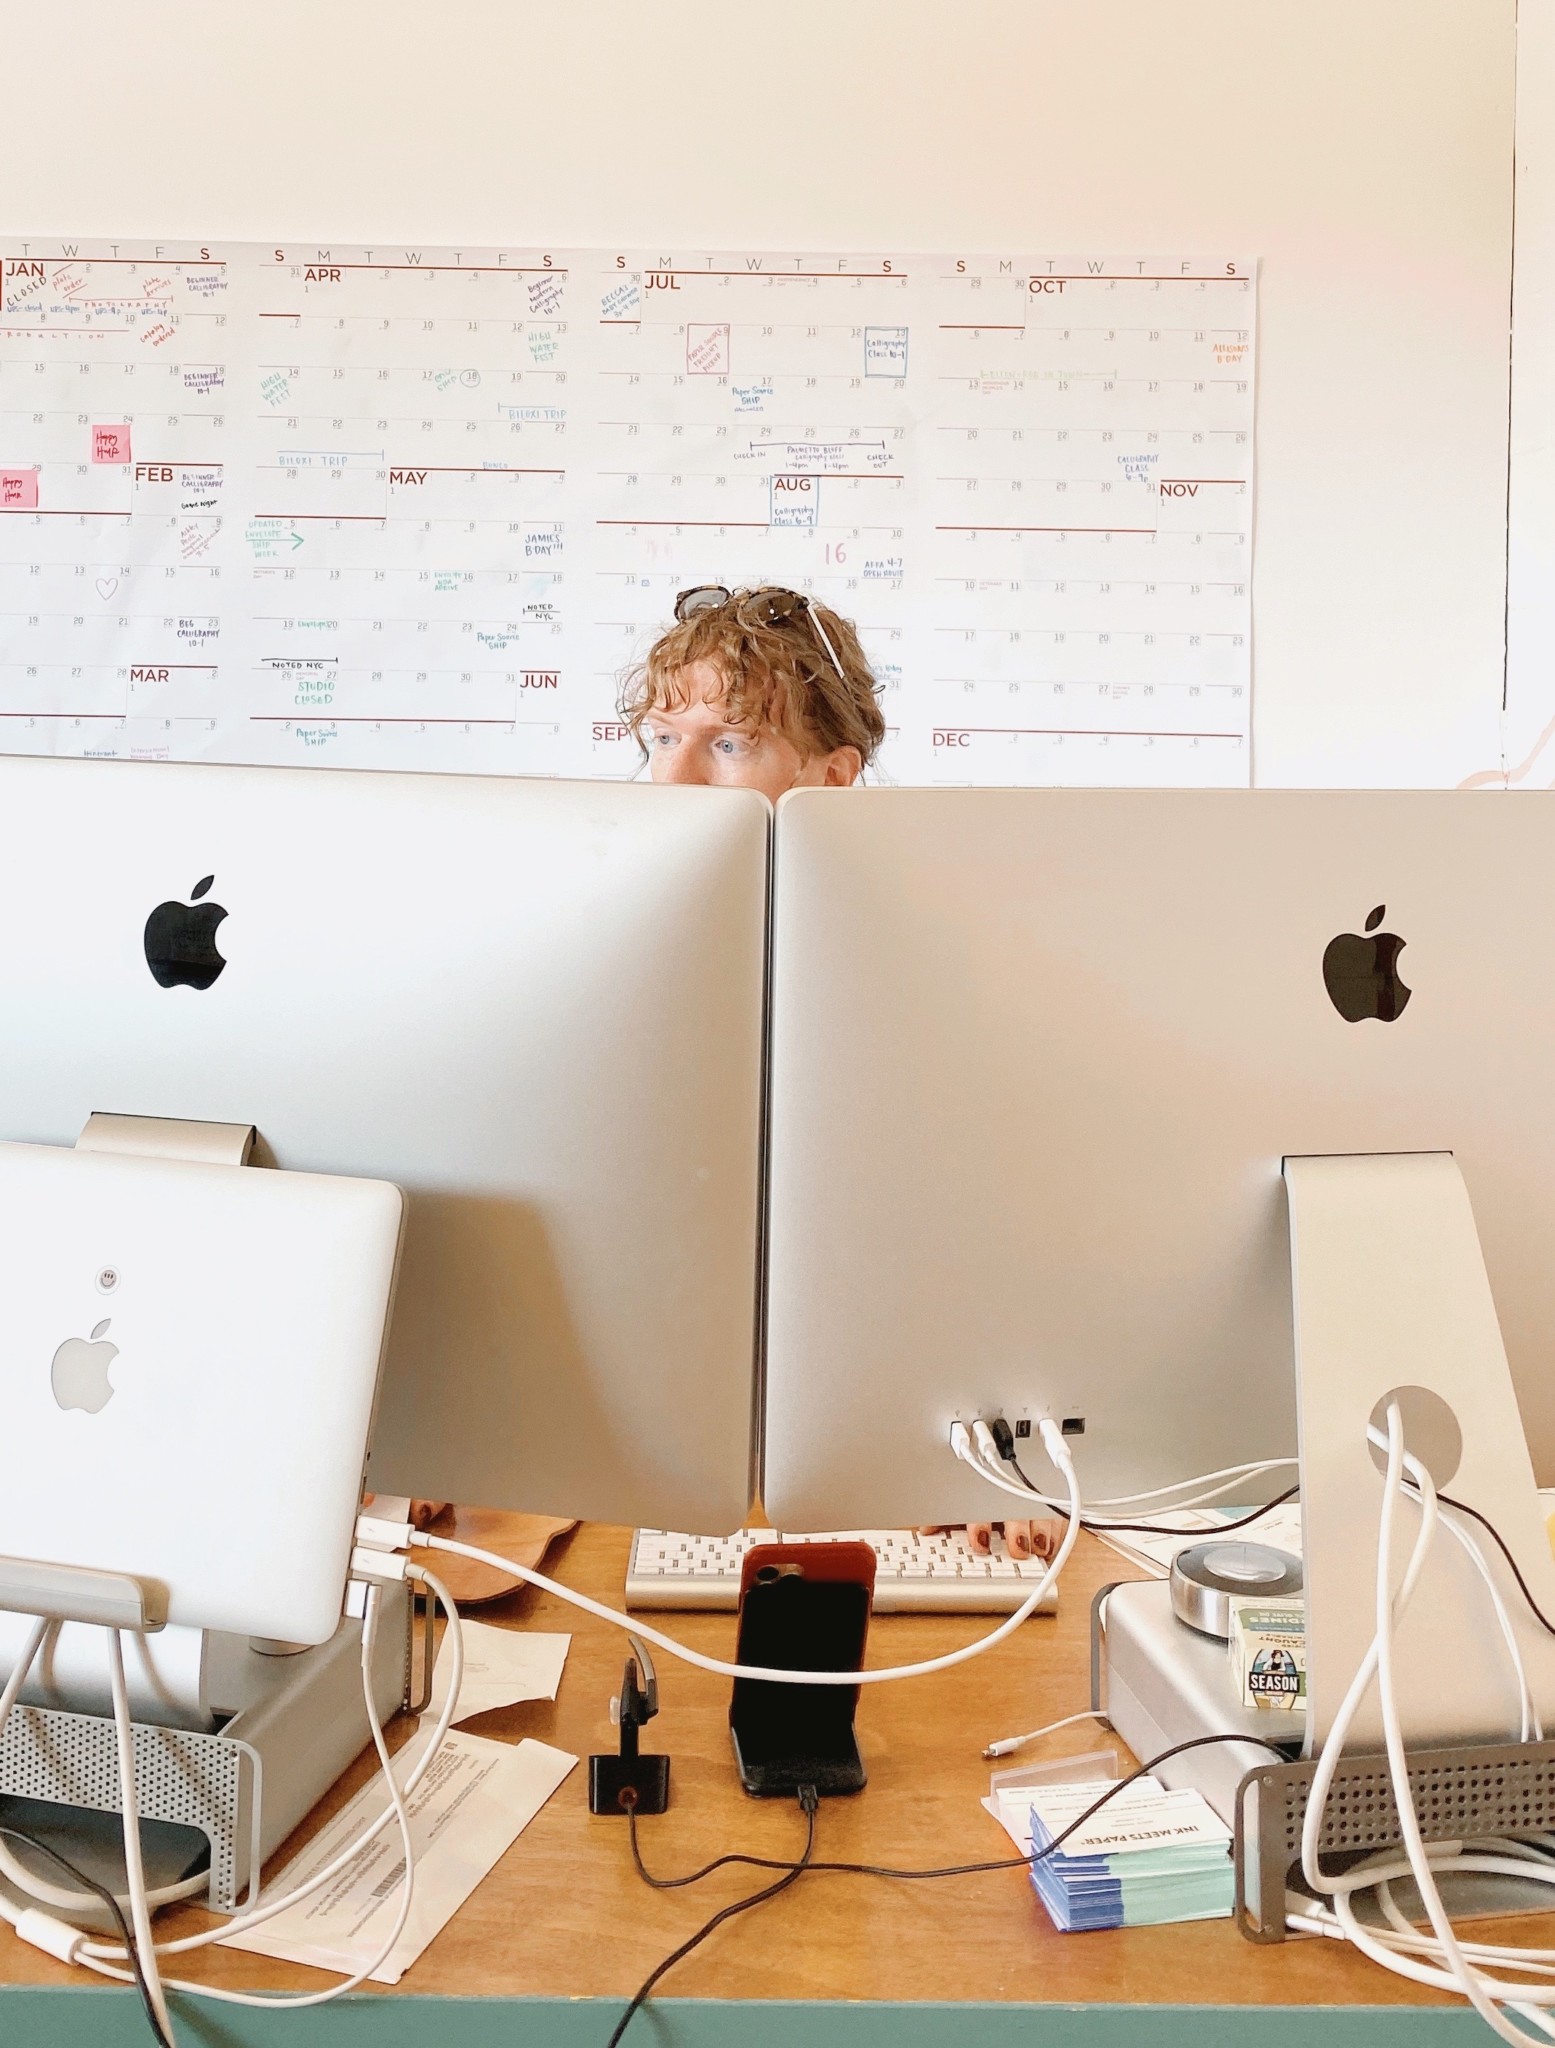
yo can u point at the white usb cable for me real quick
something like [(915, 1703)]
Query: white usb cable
[(129, 1813), (1531, 1727), (96, 1954), (1011, 1743), (1233, 1475), (1057, 1450), (976, 1447)]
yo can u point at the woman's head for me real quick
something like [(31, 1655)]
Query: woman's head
[(742, 690)]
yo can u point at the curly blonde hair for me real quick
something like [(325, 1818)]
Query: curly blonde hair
[(775, 674)]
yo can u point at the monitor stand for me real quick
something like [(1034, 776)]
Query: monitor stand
[(236, 1740), (1390, 1296)]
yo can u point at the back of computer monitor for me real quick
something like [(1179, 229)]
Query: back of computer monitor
[(537, 1006), (1036, 1057)]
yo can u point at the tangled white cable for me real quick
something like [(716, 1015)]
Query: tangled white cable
[(975, 1446), (107, 1958), (1232, 1475), (1439, 1959)]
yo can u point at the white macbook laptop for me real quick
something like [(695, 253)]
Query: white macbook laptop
[(189, 1357)]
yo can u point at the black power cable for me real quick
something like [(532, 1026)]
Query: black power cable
[(1500, 1542), (1219, 1529), (950, 1870), (809, 1801), (106, 1898)]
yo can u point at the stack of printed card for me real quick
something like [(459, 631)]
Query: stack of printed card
[(1148, 1856)]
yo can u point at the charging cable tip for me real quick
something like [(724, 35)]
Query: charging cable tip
[(961, 1443), (375, 1532), (378, 1565)]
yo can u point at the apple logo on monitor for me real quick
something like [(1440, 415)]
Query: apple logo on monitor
[(79, 1375), (181, 940), (1361, 973)]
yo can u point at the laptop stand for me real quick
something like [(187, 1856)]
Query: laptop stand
[(245, 1785), (291, 1721)]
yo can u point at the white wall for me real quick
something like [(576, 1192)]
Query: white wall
[(1363, 148), (1530, 679)]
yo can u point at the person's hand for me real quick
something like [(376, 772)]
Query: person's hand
[(1022, 1539)]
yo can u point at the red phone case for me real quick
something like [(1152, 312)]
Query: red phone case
[(852, 1562)]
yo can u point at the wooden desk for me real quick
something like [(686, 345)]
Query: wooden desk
[(563, 1921)]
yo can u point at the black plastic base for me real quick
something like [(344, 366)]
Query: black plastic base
[(648, 1777), (838, 1771)]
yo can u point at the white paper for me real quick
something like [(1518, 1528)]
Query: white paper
[(1143, 1816), (1280, 1529), (1156, 1552), (501, 1667), (415, 507), (472, 1805), (1010, 1790)]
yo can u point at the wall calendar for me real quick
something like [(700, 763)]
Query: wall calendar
[(421, 507)]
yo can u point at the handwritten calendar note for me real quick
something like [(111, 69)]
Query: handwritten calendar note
[(414, 507)]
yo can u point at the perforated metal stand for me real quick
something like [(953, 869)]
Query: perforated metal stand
[(299, 1721), (1497, 1789)]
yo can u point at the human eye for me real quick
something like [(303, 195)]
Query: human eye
[(733, 744)]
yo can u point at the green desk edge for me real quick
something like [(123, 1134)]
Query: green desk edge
[(31, 2018)]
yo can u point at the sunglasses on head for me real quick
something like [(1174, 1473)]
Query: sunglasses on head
[(769, 606)]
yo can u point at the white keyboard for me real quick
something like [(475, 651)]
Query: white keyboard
[(913, 1574)]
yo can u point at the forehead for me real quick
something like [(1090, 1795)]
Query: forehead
[(698, 695)]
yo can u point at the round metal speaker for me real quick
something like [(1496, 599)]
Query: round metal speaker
[(1207, 1578)]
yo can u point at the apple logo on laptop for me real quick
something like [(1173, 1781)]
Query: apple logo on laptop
[(79, 1375), (181, 940), (1361, 974)]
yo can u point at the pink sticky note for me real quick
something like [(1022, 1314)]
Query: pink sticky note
[(111, 444), (18, 490)]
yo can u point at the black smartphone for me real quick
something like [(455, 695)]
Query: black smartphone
[(803, 1607)]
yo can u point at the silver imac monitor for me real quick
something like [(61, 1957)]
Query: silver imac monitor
[(535, 1005), (1035, 1060)]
